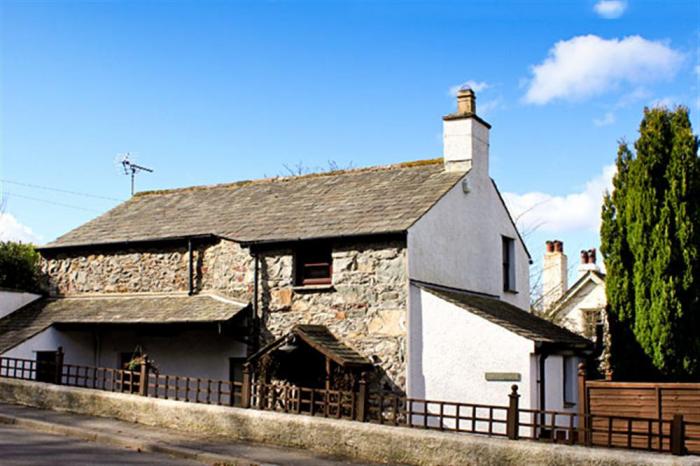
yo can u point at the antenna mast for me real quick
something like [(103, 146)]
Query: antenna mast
[(131, 168)]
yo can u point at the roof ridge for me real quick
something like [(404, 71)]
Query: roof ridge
[(275, 179)]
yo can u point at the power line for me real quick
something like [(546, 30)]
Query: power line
[(65, 191), (9, 194)]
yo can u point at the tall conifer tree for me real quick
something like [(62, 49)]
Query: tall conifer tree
[(650, 240)]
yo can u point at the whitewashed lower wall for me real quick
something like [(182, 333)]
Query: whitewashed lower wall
[(450, 350), (195, 353), (10, 301)]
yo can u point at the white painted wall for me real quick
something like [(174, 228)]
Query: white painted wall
[(10, 301), (458, 243), (451, 349), (195, 353)]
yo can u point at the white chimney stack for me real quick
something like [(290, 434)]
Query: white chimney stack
[(554, 273), (466, 137)]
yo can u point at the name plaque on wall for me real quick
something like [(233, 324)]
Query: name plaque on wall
[(503, 376)]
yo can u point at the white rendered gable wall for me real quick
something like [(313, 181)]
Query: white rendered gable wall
[(458, 243)]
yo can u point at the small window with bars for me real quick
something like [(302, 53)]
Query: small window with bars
[(314, 265)]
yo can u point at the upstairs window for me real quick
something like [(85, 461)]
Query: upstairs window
[(314, 265), (508, 264)]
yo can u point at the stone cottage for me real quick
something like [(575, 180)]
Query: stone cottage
[(203, 278)]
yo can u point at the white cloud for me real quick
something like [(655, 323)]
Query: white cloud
[(573, 212), (585, 66), (668, 102), (610, 9), (697, 69), (606, 120), (476, 86), (12, 230), (489, 106)]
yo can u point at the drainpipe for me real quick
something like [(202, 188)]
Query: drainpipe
[(543, 359), (191, 267), (256, 317)]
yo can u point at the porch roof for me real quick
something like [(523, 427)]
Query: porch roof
[(322, 340), (114, 309)]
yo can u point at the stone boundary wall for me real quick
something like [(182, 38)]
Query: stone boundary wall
[(363, 442)]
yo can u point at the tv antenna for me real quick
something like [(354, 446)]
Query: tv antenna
[(130, 167)]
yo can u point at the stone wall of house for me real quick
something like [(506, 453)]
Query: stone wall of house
[(365, 307), (121, 271)]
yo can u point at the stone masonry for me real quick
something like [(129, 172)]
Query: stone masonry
[(365, 307)]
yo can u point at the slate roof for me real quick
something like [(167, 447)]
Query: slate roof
[(322, 340), (345, 203), (510, 317), (127, 309)]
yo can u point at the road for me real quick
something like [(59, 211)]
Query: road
[(24, 447)]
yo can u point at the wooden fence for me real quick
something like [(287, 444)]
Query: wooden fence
[(662, 401), (670, 432)]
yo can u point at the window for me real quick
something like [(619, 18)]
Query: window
[(569, 371), (314, 265), (508, 264)]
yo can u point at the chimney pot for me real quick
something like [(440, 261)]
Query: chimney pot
[(591, 256), (549, 246), (466, 101), (584, 257), (558, 246)]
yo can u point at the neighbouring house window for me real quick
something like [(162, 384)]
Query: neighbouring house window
[(592, 319), (569, 379), (508, 264), (314, 265)]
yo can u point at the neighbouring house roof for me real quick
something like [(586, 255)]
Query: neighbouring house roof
[(508, 316), (322, 340), (368, 201), (113, 309), (591, 276)]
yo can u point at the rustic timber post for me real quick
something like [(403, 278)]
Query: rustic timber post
[(143, 376), (582, 404), (58, 374), (513, 414), (246, 387), (677, 435), (362, 399)]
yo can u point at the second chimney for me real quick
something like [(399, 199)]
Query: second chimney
[(465, 137), (554, 273)]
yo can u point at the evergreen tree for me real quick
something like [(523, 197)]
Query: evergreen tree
[(650, 240)]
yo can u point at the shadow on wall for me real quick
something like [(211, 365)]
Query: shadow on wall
[(416, 376)]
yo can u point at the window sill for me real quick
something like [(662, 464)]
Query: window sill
[(313, 288), (511, 291), (569, 404)]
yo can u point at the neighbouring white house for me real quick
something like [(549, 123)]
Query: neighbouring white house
[(413, 272), (581, 307)]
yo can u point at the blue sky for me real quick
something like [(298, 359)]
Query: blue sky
[(208, 92)]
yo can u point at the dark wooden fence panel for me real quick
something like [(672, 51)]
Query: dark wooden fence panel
[(646, 400)]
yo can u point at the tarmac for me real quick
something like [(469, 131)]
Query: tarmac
[(112, 435)]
